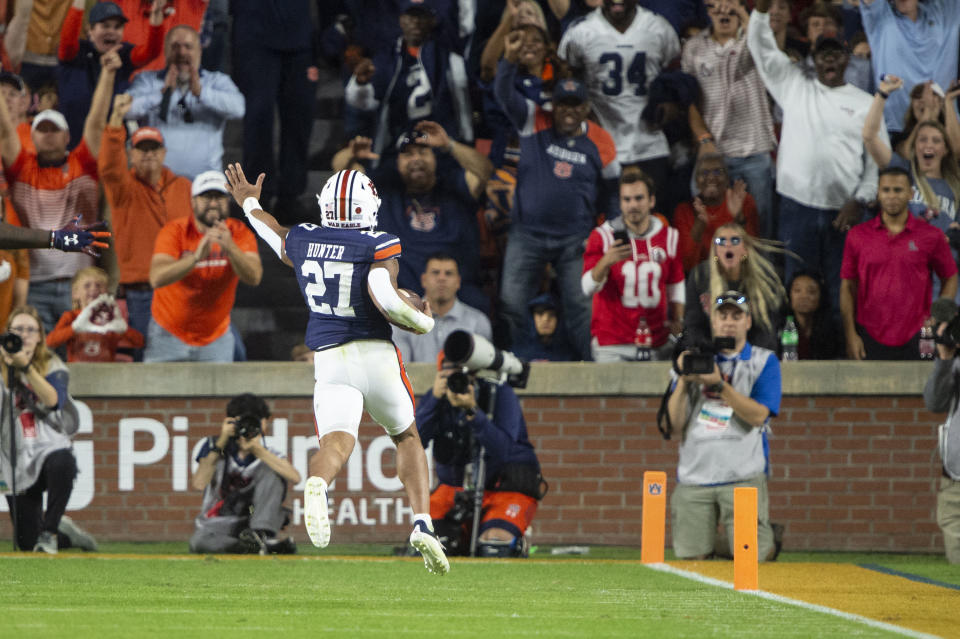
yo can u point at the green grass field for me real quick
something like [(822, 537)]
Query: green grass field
[(360, 591)]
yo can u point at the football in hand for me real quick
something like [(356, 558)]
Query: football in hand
[(411, 298)]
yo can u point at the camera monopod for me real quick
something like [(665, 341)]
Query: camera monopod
[(8, 409), (487, 400)]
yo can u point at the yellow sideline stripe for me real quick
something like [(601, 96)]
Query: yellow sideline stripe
[(850, 588)]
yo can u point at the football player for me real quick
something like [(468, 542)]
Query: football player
[(347, 273)]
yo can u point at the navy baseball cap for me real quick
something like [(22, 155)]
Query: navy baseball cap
[(104, 11), (569, 90), (417, 6), (829, 42), (411, 137), (11, 79)]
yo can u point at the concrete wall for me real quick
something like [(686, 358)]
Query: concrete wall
[(853, 452)]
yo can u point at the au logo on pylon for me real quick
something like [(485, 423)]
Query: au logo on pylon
[(654, 517)]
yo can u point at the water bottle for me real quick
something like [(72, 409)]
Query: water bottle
[(927, 344), (789, 339), (643, 340)]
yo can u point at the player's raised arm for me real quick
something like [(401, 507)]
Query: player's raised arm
[(382, 284), (248, 197)]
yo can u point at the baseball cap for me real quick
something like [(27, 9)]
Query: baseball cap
[(49, 115), (733, 298), (416, 6), (544, 302), (12, 79), (828, 42), (146, 133), (104, 11), (209, 181), (410, 137), (569, 89)]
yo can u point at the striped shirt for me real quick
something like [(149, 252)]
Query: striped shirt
[(735, 106), (48, 198)]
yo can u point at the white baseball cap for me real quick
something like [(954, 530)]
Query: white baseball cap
[(49, 115), (209, 181)]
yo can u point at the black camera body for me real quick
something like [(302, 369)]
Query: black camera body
[(11, 343), (700, 356), (246, 426)]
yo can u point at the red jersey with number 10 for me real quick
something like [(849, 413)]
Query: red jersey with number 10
[(635, 288)]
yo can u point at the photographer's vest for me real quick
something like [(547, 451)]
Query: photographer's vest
[(718, 447)]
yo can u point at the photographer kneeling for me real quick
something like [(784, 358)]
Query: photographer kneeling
[(724, 399), (244, 484), (942, 395), (449, 415)]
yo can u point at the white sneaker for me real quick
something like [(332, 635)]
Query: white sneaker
[(427, 544), (79, 538), (46, 542), (315, 512)]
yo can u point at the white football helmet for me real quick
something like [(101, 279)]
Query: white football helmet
[(349, 201)]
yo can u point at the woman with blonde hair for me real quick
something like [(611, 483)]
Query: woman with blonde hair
[(45, 420), (738, 263)]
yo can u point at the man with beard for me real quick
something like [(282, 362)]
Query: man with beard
[(170, 100), (633, 272), (197, 261), (618, 50), (717, 202), (430, 198), (565, 178), (824, 174)]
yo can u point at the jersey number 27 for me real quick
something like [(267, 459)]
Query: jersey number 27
[(316, 290)]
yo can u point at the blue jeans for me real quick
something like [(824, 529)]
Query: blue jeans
[(162, 346), (526, 256), (809, 233), (51, 299), (138, 315), (757, 172)]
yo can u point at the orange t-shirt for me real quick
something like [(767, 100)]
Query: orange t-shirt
[(14, 265), (91, 347), (138, 210), (196, 309)]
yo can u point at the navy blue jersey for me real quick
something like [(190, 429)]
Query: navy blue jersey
[(332, 267)]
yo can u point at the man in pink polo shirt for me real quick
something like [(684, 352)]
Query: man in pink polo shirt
[(886, 288)]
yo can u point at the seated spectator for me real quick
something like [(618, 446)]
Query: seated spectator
[(419, 78), (819, 334), (441, 281), (824, 175), (565, 178), (717, 203), (429, 200), (42, 399), (244, 484), (50, 186), (80, 58), (170, 100), (633, 272), (887, 286), (197, 262), (737, 263), (274, 65), (95, 329), (915, 41), (735, 108), (928, 155), (14, 280), (542, 341)]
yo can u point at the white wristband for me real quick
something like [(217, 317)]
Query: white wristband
[(251, 204)]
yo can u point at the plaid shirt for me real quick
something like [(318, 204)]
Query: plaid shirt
[(735, 102)]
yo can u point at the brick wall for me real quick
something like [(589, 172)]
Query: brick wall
[(849, 473)]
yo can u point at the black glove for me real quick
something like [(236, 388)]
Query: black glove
[(74, 237)]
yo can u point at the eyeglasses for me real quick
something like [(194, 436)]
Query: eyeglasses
[(723, 241), (25, 330)]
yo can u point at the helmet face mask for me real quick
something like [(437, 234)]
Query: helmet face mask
[(349, 200)]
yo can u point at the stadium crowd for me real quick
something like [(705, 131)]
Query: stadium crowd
[(684, 148)]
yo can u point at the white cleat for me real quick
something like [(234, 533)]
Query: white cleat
[(315, 512), (427, 544)]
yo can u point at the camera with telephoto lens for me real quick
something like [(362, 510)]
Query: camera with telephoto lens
[(701, 355), (944, 310), (473, 353), (246, 426), (11, 343)]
